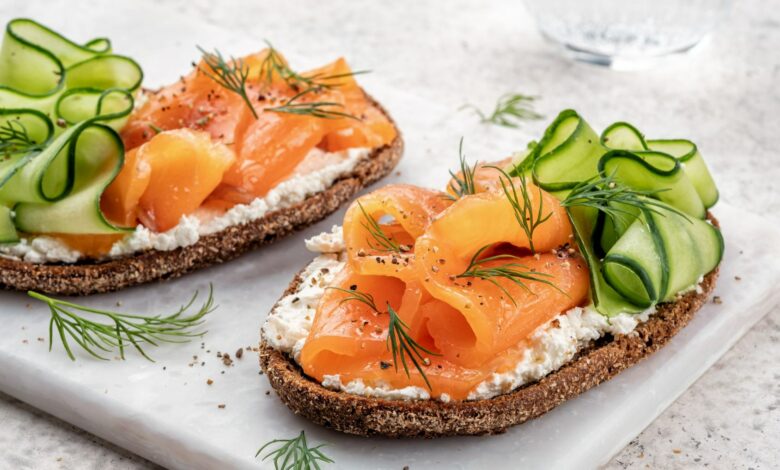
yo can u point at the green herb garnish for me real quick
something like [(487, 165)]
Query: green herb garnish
[(528, 219), (124, 328), (383, 241), (318, 109), (14, 139), (510, 110), (295, 454), (273, 63), (231, 76), (515, 272), (463, 184), (399, 343), (608, 196)]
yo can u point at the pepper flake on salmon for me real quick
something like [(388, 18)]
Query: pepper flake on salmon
[(477, 277)]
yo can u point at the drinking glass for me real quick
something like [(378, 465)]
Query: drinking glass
[(626, 33)]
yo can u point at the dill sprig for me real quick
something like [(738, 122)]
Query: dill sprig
[(295, 454), (124, 329), (462, 184), (607, 195), (14, 139), (399, 342), (357, 296), (318, 109), (528, 219), (383, 241), (513, 271), (231, 75), (510, 110), (273, 63)]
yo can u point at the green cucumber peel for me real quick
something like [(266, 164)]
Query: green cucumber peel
[(567, 154), (657, 172), (640, 249), (89, 93)]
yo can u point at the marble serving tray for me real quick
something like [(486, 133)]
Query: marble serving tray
[(167, 412)]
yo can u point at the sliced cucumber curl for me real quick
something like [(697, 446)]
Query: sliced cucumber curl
[(61, 105), (641, 254)]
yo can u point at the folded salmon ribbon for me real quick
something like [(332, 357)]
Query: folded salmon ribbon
[(413, 249)]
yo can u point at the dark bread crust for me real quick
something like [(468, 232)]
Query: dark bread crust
[(365, 416), (96, 277)]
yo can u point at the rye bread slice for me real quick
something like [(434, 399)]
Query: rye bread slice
[(364, 416), (91, 277)]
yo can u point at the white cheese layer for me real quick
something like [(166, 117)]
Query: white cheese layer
[(316, 173), (549, 347)]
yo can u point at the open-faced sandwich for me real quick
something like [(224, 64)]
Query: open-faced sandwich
[(527, 282), (103, 185)]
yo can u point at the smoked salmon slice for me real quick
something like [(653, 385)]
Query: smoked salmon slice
[(380, 228), (270, 145), (228, 133), (473, 325), (166, 178)]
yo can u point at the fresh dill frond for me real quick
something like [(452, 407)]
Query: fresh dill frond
[(399, 342), (605, 194), (273, 63), (462, 183), (325, 81), (124, 329), (318, 109), (231, 75), (357, 296), (510, 110), (528, 219), (513, 271), (382, 241), (15, 140), (294, 454)]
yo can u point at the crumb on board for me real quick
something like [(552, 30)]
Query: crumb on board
[(227, 360), (221, 406), (717, 300), (209, 381)]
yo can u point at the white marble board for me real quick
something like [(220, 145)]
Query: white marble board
[(166, 412)]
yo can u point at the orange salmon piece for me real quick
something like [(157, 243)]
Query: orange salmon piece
[(495, 312), (197, 102), (371, 129), (402, 212), (272, 146), (185, 167), (119, 201), (485, 177)]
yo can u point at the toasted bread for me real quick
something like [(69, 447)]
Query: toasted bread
[(368, 416), (90, 277)]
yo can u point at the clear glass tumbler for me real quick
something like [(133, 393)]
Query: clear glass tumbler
[(626, 33)]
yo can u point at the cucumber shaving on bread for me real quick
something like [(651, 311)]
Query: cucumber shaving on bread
[(528, 281)]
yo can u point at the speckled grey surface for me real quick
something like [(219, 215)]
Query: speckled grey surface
[(725, 97)]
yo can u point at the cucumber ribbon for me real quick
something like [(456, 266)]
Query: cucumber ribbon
[(61, 105), (640, 254)]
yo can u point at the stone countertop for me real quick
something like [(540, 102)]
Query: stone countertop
[(724, 96)]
